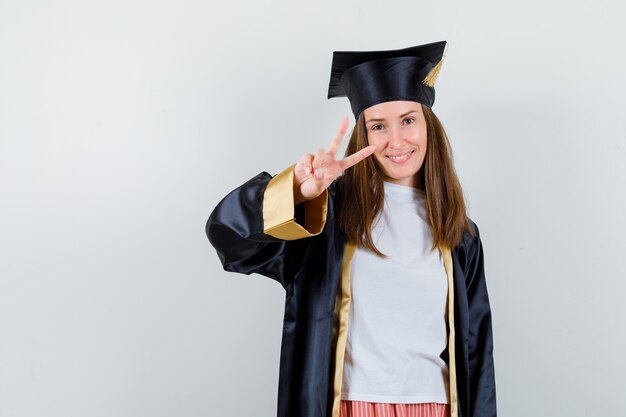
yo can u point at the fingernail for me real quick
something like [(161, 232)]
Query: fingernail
[(307, 170)]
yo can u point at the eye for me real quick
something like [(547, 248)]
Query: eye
[(409, 120), (377, 127)]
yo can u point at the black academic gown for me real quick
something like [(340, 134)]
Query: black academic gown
[(257, 229)]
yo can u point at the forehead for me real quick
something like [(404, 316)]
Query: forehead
[(391, 109)]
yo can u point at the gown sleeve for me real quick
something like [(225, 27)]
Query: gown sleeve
[(481, 365), (255, 227)]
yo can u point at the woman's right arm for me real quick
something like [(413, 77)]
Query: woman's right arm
[(252, 226)]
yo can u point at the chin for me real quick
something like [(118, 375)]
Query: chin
[(398, 174)]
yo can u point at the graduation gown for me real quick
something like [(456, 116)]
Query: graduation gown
[(257, 229)]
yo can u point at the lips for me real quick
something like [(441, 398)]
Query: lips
[(400, 158)]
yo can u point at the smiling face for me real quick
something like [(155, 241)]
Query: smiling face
[(398, 130)]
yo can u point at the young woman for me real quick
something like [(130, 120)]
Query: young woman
[(386, 308)]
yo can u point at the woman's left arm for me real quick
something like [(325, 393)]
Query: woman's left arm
[(481, 367)]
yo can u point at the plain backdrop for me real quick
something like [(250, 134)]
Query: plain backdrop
[(123, 123)]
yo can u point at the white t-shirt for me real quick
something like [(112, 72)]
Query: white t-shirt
[(397, 323)]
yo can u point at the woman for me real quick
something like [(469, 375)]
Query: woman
[(386, 308)]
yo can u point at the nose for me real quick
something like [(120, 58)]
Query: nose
[(396, 138)]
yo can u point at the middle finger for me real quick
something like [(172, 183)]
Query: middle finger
[(336, 142)]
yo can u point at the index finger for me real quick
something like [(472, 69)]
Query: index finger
[(356, 157), (336, 142)]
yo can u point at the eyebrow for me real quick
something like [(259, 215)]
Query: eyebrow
[(382, 120)]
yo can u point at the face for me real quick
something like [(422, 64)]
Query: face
[(398, 130)]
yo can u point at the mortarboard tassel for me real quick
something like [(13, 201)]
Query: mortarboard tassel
[(431, 77)]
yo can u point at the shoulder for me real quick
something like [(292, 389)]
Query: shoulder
[(469, 239), (336, 186), (469, 249)]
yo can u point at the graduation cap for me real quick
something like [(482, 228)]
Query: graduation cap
[(371, 77)]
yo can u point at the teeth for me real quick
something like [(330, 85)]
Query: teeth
[(399, 158)]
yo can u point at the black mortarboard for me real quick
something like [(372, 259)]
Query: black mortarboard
[(372, 77)]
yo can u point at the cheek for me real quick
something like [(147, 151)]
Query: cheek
[(373, 140), (378, 156), (420, 138)]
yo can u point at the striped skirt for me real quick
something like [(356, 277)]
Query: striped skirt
[(366, 409)]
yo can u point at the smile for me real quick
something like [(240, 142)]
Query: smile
[(398, 159)]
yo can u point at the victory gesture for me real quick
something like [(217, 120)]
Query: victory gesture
[(314, 173)]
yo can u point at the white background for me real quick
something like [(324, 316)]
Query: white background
[(123, 123)]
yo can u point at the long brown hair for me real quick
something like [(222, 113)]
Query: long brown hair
[(362, 194)]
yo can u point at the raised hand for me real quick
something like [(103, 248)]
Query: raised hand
[(314, 173)]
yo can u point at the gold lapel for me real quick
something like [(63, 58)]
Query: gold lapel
[(342, 309), (447, 263)]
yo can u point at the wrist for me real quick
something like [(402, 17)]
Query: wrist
[(297, 196)]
